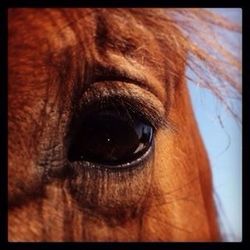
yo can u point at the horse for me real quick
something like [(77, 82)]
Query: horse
[(103, 144)]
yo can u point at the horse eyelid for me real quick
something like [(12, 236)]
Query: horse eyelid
[(145, 105)]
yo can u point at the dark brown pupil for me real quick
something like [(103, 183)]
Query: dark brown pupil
[(107, 138)]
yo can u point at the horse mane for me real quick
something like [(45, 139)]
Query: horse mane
[(212, 65)]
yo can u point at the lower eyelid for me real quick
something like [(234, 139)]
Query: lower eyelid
[(106, 190), (139, 162)]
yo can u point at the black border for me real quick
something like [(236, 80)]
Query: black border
[(123, 3), (4, 244), (3, 124)]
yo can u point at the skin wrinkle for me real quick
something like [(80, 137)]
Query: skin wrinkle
[(136, 70), (62, 62)]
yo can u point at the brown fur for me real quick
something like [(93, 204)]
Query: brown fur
[(56, 58)]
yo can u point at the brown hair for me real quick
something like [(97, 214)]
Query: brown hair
[(48, 76)]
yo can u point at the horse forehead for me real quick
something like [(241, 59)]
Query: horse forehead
[(68, 27)]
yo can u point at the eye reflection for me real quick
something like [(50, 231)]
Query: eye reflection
[(107, 137)]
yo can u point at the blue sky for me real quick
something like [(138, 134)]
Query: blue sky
[(224, 147)]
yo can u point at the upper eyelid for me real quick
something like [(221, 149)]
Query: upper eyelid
[(129, 94), (131, 69)]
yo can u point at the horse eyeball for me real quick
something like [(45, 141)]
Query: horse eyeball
[(109, 139)]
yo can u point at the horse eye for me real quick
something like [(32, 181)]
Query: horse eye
[(107, 138)]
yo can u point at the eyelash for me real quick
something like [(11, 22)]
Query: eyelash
[(129, 103)]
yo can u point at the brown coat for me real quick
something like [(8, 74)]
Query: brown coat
[(58, 60)]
